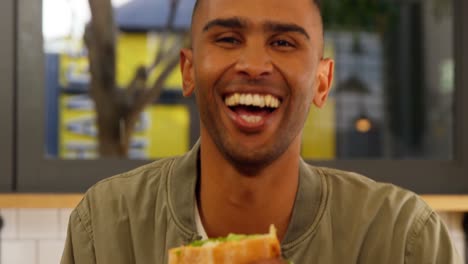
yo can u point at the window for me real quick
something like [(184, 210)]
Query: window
[(394, 81), (163, 129), (395, 113)]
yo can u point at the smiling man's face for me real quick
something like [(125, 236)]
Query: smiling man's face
[(255, 67)]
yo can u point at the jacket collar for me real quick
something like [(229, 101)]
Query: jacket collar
[(308, 206), (182, 182)]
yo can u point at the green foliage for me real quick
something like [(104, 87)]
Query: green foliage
[(229, 238), (367, 15)]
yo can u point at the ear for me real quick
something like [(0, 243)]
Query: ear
[(186, 68), (324, 81)]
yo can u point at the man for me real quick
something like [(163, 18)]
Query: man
[(255, 67)]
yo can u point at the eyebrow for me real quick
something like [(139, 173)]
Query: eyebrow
[(240, 23), (285, 27), (234, 22)]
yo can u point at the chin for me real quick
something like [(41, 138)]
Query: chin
[(251, 160)]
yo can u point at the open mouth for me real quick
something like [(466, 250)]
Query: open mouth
[(252, 108)]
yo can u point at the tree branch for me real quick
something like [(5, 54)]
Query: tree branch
[(165, 35), (100, 41), (138, 82), (155, 91), (110, 107)]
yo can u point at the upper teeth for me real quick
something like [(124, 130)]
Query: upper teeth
[(258, 100)]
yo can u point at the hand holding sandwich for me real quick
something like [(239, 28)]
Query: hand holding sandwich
[(239, 249)]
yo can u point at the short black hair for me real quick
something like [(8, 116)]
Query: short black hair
[(316, 2)]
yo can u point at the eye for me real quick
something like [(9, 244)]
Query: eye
[(282, 43), (228, 42)]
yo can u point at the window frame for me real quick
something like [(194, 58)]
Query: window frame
[(37, 173), (7, 26), (430, 176)]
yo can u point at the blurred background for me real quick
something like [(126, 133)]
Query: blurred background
[(89, 91), (392, 96)]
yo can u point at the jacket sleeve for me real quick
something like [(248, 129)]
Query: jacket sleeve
[(431, 244), (79, 246)]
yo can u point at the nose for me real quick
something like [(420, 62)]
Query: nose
[(254, 61)]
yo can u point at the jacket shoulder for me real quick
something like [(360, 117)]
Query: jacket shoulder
[(372, 197), (349, 183), (391, 222), (134, 188), (149, 175)]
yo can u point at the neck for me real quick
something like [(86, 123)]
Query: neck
[(231, 202)]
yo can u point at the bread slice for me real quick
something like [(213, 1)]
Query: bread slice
[(234, 249)]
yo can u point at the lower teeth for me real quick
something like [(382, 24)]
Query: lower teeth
[(251, 119)]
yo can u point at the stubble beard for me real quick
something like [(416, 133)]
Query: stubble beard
[(251, 161), (248, 161)]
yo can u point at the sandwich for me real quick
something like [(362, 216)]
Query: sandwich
[(238, 249)]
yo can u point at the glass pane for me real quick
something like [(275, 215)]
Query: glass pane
[(392, 96), (163, 128)]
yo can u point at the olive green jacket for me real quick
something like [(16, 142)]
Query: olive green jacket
[(339, 217)]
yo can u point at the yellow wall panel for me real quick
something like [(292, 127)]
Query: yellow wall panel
[(162, 130), (169, 132), (319, 135)]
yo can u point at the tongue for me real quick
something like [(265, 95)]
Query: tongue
[(251, 110)]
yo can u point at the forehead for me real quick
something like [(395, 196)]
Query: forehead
[(300, 12)]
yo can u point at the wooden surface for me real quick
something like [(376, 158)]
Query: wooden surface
[(39, 200), (442, 203), (447, 203)]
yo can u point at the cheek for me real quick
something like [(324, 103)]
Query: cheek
[(307, 70), (306, 79), (212, 67), (301, 81), (298, 68)]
